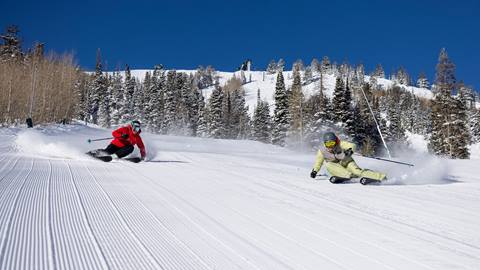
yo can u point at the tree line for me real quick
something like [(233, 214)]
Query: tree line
[(34, 84)]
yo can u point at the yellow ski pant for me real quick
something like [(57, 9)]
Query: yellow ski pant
[(352, 170)]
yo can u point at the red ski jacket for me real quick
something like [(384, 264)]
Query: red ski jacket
[(133, 139)]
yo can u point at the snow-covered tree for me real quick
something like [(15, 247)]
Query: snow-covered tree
[(215, 113), (261, 121), (296, 107), (11, 49), (171, 100), (448, 116), (422, 81), (128, 92), (281, 115), (272, 67), (379, 72)]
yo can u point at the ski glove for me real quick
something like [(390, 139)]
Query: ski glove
[(348, 152), (313, 174), (124, 136)]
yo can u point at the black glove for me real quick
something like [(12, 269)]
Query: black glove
[(348, 152), (313, 174), (124, 136)]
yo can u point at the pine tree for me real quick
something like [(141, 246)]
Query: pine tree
[(298, 65), (128, 92), (261, 121), (202, 128), (156, 99), (326, 67), (11, 49), (117, 98), (422, 81), (281, 65), (215, 113), (315, 66), (272, 67), (448, 114), (98, 93), (105, 109), (281, 116), (402, 76), (308, 75), (342, 108), (379, 73), (296, 107), (170, 113), (459, 133), (475, 126)]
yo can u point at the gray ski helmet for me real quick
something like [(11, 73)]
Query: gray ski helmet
[(330, 139)]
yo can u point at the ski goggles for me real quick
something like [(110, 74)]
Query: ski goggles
[(136, 128), (330, 144)]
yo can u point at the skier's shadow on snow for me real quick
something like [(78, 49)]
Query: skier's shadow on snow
[(168, 161)]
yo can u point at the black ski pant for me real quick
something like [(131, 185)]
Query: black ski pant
[(119, 151)]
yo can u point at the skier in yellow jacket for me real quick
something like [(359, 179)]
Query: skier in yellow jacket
[(340, 163)]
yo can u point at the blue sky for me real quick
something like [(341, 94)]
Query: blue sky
[(185, 34)]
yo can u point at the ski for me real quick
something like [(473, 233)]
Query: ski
[(133, 159), (99, 154), (338, 180)]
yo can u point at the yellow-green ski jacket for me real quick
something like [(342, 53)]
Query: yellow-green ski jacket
[(337, 155)]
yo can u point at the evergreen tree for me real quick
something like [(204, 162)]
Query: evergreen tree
[(315, 66), (98, 93), (298, 65), (281, 65), (272, 67), (156, 99), (379, 73), (281, 116), (342, 108), (422, 81), (402, 76), (261, 121), (215, 113), (128, 91), (475, 126), (326, 66), (296, 107), (105, 109), (117, 98), (202, 128), (308, 75), (11, 49), (170, 113), (448, 116)]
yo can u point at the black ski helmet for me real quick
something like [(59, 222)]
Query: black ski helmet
[(330, 137)]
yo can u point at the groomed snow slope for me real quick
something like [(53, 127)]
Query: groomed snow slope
[(217, 204)]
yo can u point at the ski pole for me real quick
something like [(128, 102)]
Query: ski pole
[(388, 160), (101, 139)]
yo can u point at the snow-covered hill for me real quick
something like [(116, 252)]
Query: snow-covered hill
[(266, 83), (220, 204)]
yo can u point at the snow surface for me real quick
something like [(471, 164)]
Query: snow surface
[(224, 204)]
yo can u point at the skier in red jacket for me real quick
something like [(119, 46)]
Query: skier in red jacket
[(124, 139)]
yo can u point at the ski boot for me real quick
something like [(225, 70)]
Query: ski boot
[(100, 154), (338, 180), (366, 181)]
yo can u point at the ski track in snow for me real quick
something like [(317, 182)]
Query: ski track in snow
[(206, 208)]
